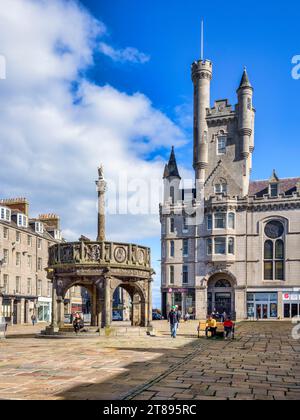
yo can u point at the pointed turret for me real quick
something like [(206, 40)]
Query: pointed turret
[(274, 178), (171, 169), (245, 82)]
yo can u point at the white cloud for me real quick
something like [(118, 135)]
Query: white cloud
[(128, 54), (56, 126)]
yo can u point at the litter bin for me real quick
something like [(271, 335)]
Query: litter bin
[(3, 327)]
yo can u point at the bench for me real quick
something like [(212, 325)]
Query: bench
[(202, 328)]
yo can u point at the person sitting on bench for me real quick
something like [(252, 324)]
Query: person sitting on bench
[(228, 328), (211, 326)]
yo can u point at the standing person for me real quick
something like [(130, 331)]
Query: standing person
[(174, 320), (33, 319), (228, 328), (187, 317), (211, 326)]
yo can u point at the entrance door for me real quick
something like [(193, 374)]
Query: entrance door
[(262, 310), (223, 302)]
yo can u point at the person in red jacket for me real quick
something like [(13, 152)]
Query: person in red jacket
[(228, 328)]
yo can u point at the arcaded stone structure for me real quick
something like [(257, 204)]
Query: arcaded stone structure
[(101, 267)]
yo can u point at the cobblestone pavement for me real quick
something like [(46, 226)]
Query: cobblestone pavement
[(262, 363)]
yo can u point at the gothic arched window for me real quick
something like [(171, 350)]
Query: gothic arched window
[(274, 251)]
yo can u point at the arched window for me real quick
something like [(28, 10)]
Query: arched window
[(231, 221), (274, 251), (222, 284)]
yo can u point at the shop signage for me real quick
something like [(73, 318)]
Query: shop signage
[(291, 296)]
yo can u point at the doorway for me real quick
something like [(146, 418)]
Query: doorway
[(262, 310)]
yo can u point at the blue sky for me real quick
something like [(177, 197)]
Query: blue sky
[(92, 82), (264, 37)]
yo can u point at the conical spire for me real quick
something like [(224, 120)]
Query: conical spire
[(245, 80), (171, 169)]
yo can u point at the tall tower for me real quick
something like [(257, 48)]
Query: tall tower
[(201, 76), (171, 180), (246, 127), (101, 188)]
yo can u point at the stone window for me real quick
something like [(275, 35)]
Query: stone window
[(18, 237), (209, 221), (220, 220), (5, 214), (171, 274), (5, 233), (222, 141), (172, 225), (274, 190), (231, 246), (18, 259), (5, 283), (29, 287), (185, 247), (18, 284), (29, 240), (220, 246), (209, 246), (221, 188), (5, 256), (274, 252), (185, 227), (172, 249), (185, 274), (231, 221)]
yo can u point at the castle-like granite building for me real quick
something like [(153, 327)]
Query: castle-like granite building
[(229, 244)]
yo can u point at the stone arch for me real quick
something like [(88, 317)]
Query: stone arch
[(138, 297), (221, 292)]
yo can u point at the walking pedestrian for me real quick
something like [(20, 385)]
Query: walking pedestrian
[(174, 320), (33, 319)]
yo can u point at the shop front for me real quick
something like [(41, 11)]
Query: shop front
[(262, 305), (183, 298), (44, 310), (291, 304)]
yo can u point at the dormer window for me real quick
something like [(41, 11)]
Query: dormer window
[(39, 227), (274, 190), (221, 188), (222, 142), (57, 235), (5, 214), (22, 220)]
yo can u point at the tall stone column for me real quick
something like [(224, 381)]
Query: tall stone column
[(136, 310), (22, 311), (60, 312), (150, 302), (54, 325), (201, 303), (101, 188), (108, 308)]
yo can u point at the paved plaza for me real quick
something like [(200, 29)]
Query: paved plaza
[(262, 363)]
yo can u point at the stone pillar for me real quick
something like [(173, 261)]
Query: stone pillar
[(12, 304), (54, 325), (136, 308), (108, 308), (22, 311), (150, 302), (201, 303), (94, 320), (101, 187), (240, 303), (1, 303), (60, 312)]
